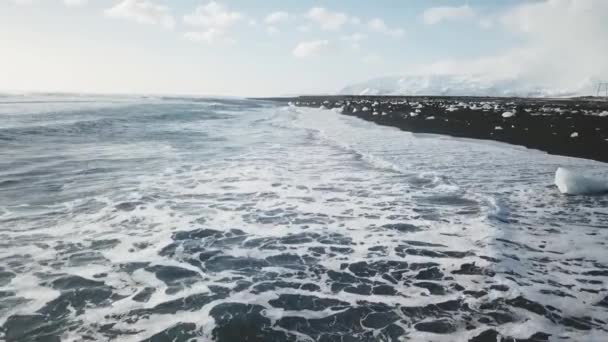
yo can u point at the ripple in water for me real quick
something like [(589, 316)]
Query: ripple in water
[(177, 219)]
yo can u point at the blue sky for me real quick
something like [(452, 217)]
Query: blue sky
[(272, 47)]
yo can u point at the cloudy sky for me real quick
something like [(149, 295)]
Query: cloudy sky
[(276, 47)]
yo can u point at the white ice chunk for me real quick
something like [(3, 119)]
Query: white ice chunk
[(339, 109), (574, 135), (508, 114), (571, 183)]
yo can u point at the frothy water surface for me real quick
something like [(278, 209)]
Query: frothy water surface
[(170, 219)]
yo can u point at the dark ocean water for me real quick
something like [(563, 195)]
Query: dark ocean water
[(170, 219)]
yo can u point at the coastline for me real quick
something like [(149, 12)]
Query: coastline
[(574, 127)]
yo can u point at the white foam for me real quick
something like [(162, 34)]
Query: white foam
[(330, 168)]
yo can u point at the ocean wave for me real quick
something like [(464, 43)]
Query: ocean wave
[(270, 223)]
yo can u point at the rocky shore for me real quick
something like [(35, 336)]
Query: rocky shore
[(576, 127)]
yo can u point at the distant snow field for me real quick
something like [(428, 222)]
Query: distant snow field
[(459, 85)]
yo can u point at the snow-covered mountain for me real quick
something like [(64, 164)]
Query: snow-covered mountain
[(458, 85)]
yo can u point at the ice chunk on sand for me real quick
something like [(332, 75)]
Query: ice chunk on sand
[(574, 135), (572, 183), (508, 114), (339, 110)]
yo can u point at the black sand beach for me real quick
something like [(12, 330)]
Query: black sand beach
[(576, 127)]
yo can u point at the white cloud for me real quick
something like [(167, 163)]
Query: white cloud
[(311, 48), (143, 12), (378, 25), (304, 28), (213, 15), (71, 3), (354, 39), (486, 23), (566, 39), (436, 15), (214, 20), (276, 17), (272, 30), (372, 59), (327, 20), (75, 2), (209, 36), (564, 47), (23, 2), (273, 19)]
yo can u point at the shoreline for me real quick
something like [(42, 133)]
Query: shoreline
[(573, 127)]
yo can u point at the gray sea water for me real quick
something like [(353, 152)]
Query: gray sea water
[(172, 219)]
